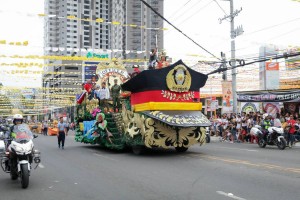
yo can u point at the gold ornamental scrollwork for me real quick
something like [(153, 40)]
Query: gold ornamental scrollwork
[(157, 134), (179, 79)]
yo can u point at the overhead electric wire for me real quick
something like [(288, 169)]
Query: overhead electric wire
[(278, 36), (220, 7), (220, 69), (157, 13), (270, 27), (196, 12), (182, 14), (181, 8), (259, 30)]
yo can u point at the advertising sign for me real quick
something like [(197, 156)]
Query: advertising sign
[(90, 70), (211, 105), (269, 96), (227, 101), (28, 93), (248, 107), (272, 66), (272, 75), (94, 55), (271, 108)]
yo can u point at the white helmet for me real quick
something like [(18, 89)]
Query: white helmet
[(265, 115), (18, 117)]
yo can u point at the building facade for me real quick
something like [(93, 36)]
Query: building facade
[(75, 27)]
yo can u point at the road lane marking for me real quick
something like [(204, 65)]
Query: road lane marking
[(230, 195), (41, 166), (99, 155), (246, 162), (250, 150)]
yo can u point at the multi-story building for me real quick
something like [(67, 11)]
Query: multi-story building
[(73, 26), (131, 37)]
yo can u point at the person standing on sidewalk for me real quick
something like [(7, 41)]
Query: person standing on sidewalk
[(62, 132), (292, 130)]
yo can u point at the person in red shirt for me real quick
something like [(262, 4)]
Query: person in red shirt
[(292, 130)]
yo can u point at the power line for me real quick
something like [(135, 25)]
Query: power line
[(256, 61), (220, 7), (196, 12), (278, 36), (157, 13), (181, 8), (181, 15), (270, 27), (259, 30)]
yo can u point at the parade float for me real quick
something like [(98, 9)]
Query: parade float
[(160, 108)]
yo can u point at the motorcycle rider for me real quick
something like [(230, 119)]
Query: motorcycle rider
[(17, 120), (266, 123)]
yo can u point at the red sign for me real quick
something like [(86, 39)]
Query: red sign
[(272, 66)]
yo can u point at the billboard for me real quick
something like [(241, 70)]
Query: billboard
[(227, 101), (89, 70), (211, 104), (271, 108), (248, 107), (272, 75), (28, 93)]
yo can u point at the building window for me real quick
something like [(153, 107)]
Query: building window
[(71, 68)]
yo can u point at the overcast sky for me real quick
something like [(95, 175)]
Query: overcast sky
[(263, 22)]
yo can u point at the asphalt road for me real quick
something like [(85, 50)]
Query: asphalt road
[(214, 171)]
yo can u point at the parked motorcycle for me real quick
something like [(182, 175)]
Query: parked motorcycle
[(274, 136), (19, 154)]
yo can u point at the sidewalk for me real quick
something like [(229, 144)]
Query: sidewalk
[(217, 139)]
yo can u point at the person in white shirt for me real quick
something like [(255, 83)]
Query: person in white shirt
[(103, 95), (277, 122)]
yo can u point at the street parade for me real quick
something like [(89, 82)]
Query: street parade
[(149, 99)]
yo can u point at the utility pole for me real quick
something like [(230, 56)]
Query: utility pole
[(224, 75), (233, 34)]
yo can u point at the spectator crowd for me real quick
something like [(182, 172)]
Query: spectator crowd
[(237, 127)]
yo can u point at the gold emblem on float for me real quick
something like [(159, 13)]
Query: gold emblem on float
[(179, 79)]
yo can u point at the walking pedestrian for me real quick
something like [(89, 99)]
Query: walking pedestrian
[(62, 132), (45, 128)]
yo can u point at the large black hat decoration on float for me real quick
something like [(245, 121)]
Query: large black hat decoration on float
[(172, 92)]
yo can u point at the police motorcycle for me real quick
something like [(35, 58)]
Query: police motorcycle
[(273, 136), (19, 153)]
